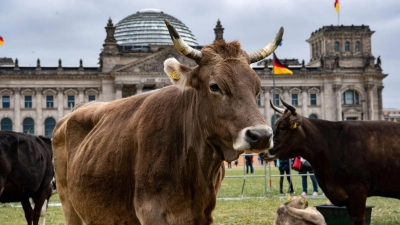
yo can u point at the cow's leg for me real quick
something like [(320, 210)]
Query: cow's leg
[(42, 219), (356, 208), (70, 214), (40, 202), (26, 205)]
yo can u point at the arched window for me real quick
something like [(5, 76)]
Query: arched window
[(6, 124), (273, 120), (313, 116), (347, 46), (350, 97), (336, 46), (49, 125), (357, 47), (276, 99), (28, 125)]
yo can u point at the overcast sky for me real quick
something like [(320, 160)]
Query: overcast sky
[(74, 29)]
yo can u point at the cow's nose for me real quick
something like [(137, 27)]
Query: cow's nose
[(258, 139)]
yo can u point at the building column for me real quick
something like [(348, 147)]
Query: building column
[(81, 95), (322, 102), (139, 88), (336, 89), (60, 103), (286, 96), (370, 100), (118, 91), (268, 111), (39, 129), (380, 106), (304, 100), (100, 98), (17, 110)]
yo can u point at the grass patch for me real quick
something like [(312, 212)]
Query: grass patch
[(256, 207)]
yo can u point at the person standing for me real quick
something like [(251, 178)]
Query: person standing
[(229, 164), (260, 161), (306, 167), (284, 167), (249, 163)]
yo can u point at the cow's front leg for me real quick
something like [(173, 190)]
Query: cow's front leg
[(356, 207), (26, 205)]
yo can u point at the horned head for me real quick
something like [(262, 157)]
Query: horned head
[(196, 55)]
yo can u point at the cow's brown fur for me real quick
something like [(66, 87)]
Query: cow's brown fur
[(352, 160), (157, 157)]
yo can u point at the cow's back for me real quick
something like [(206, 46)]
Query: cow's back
[(372, 148)]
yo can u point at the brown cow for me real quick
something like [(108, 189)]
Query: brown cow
[(157, 157), (352, 160), (297, 212)]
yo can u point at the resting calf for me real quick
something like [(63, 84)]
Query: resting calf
[(297, 212)]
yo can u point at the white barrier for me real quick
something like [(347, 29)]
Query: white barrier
[(245, 176)]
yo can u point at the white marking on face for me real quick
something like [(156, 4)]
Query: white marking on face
[(241, 144)]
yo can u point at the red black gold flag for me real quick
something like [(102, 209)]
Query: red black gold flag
[(336, 6), (279, 68)]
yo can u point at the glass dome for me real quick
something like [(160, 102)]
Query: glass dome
[(147, 27)]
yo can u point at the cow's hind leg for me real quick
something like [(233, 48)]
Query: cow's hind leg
[(70, 214), (356, 208), (40, 204), (26, 205)]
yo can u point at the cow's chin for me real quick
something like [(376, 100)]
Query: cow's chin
[(267, 155), (250, 151), (230, 155)]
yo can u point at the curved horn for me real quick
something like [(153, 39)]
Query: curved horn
[(267, 50), (290, 107), (277, 109), (181, 45)]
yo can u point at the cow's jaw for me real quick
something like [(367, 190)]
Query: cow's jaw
[(267, 156), (254, 139)]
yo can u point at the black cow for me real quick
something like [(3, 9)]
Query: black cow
[(26, 171), (352, 160)]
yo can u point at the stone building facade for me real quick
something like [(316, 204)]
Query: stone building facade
[(340, 82), (391, 114)]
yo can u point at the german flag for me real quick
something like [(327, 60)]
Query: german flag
[(336, 6), (279, 68), (1, 40)]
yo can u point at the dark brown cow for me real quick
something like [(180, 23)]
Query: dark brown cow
[(157, 157), (352, 160), (26, 171)]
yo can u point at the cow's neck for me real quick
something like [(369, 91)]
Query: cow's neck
[(321, 147), (208, 155)]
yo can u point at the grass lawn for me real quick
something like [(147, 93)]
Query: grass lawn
[(253, 208)]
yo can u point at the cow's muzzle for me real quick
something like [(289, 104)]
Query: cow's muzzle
[(254, 139), (258, 139)]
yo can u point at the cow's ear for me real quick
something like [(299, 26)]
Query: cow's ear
[(295, 122), (179, 74)]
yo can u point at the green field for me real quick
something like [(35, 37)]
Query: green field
[(232, 208)]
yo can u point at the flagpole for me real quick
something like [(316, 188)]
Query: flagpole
[(274, 116)]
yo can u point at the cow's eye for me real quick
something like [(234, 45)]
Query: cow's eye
[(215, 88), (282, 127)]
